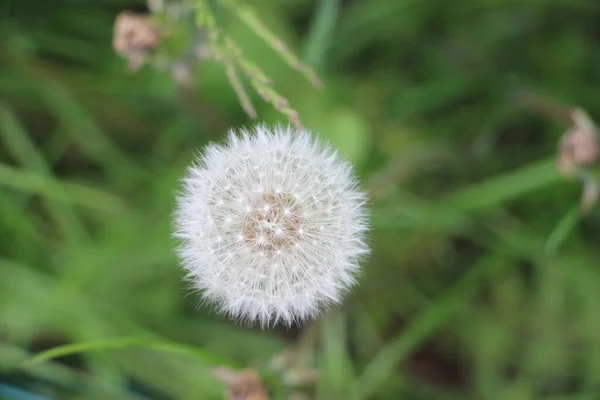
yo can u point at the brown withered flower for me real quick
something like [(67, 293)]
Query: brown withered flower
[(578, 151), (242, 385), (579, 144), (134, 37)]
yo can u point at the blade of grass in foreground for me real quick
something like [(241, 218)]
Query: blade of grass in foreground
[(386, 361), (119, 343)]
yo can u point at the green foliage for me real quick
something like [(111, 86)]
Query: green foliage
[(483, 282)]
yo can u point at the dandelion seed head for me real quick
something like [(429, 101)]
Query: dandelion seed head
[(271, 225)]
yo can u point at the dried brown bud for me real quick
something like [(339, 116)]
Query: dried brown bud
[(243, 385), (579, 150), (579, 145), (134, 36)]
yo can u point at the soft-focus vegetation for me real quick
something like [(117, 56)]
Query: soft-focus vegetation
[(483, 282)]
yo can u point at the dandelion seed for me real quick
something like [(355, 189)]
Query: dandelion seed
[(282, 255)]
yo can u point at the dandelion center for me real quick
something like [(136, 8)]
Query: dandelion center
[(273, 225)]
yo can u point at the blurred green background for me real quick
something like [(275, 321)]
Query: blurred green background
[(482, 282)]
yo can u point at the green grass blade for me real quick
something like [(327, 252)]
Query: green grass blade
[(562, 230), (18, 142), (451, 211), (506, 187), (55, 372), (120, 343), (320, 36), (335, 359)]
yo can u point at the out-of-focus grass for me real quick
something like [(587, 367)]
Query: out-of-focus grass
[(483, 283)]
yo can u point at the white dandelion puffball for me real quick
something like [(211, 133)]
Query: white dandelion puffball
[(272, 225)]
